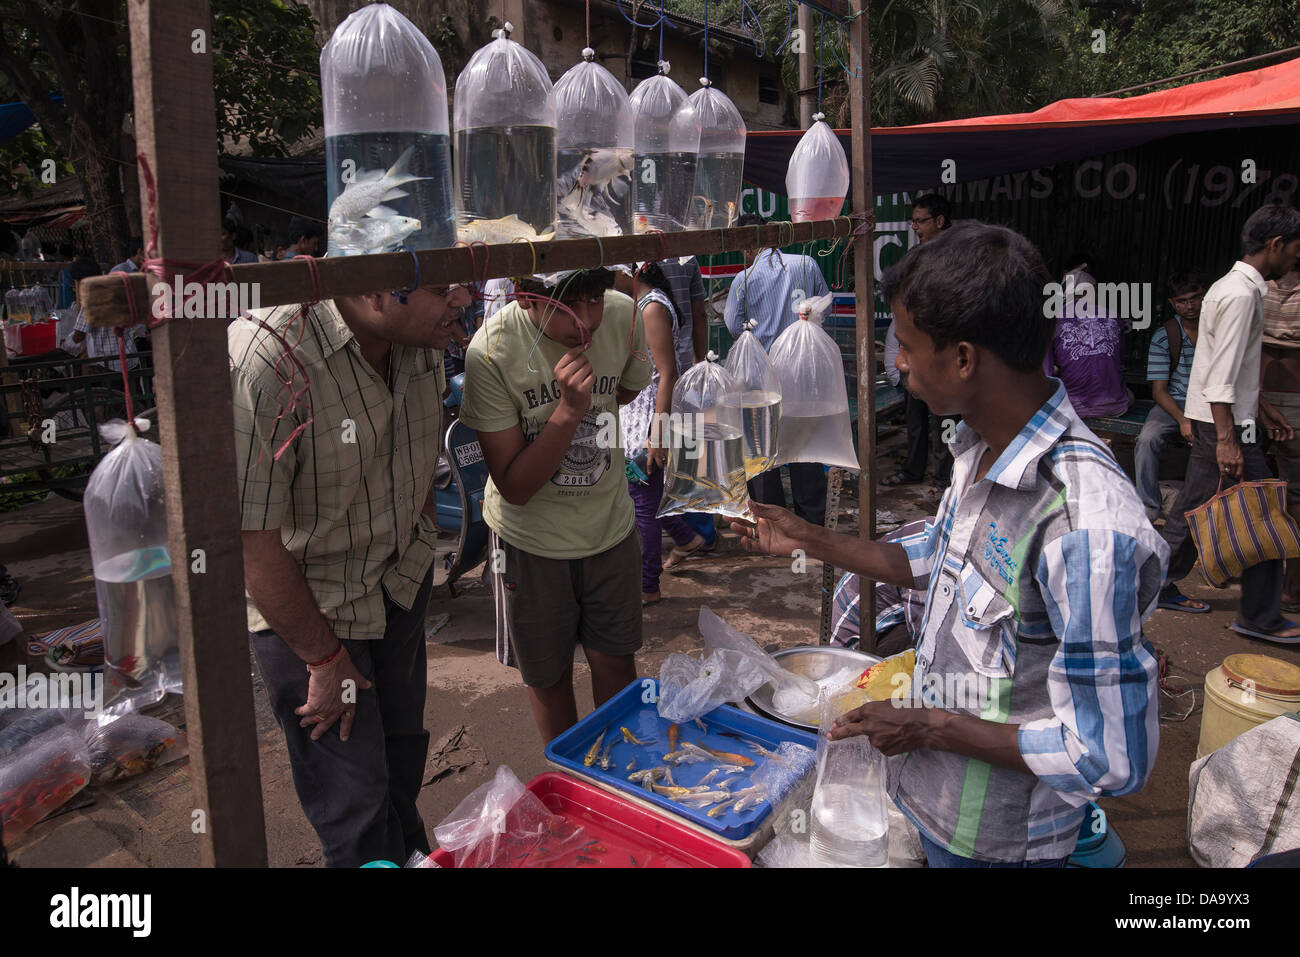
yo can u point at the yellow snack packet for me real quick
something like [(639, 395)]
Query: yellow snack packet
[(878, 680)]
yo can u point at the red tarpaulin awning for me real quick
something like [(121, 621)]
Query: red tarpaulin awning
[(911, 157)]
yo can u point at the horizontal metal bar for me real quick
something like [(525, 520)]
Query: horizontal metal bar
[(104, 298)]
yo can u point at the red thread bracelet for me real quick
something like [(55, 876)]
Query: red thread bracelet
[(324, 661)]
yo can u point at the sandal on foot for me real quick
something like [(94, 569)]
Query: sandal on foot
[(679, 555), (1181, 602), (1265, 636), (899, 478)]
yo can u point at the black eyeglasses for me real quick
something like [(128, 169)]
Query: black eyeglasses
[(921, 222)]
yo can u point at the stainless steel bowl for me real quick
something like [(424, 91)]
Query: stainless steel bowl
[(811, 661)]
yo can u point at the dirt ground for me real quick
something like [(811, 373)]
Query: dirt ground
[(146, 821)]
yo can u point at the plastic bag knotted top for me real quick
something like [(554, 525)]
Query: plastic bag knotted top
[(704, 388), (665, 120), (124, 502), (593, 110), (504, 84), (749, 366), (818, 165), (379, 73), (722, 129)]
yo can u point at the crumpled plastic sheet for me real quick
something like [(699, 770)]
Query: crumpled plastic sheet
[(503, 824), (734, 668), (779, 776)]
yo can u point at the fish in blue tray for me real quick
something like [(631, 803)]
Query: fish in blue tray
[(372, 188), (377, 232)]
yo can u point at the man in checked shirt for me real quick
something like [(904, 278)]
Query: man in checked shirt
[(1034, 690), (338, 541)]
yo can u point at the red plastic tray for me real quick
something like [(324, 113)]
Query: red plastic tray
[(632, 836)]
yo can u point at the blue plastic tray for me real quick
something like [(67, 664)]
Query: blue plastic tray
[(636, 708)]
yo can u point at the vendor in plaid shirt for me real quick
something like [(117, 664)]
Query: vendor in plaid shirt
[(1034, 690)]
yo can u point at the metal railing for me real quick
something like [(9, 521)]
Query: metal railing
[(50, 409)]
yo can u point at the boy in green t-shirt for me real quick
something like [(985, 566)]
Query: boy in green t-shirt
[(546, 412)]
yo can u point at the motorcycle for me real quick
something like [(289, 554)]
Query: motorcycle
[(459, 485)]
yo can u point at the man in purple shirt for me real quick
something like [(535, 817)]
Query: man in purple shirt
[(1087, 353)]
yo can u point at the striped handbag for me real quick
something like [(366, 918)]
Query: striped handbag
[(1243, 526)]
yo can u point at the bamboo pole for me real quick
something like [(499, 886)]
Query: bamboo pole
[(175, 123), (865, 287), (104, 298)]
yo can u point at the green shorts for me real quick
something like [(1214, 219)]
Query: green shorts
[(547, 606)]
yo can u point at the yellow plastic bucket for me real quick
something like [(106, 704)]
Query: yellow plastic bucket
[(1242, 693)]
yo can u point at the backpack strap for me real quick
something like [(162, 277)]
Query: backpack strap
[(1175, 333)]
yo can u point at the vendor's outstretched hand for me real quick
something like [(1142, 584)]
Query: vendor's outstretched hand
[(778, 532)]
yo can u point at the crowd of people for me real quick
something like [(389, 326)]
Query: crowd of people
[(1035, 574)]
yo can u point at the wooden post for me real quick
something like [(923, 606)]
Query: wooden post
[(864, 286), (807, 67), (514, 12), (175, 126)]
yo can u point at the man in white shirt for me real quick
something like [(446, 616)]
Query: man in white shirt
[(136, 259), (1222, 404)]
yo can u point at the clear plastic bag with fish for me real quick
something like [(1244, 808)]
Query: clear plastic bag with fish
[(849, 819), (758, 394), (817, 179), (124, 746), (503, 824), (715, 204), (21, 725), (126, 522), (33, 304), (667, 143), (41, 777), (706, 445), (815, 424), (387, 136), (505, 145), (595, 141)]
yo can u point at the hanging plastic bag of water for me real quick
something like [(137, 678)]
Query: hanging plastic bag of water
[(667, 142), (716, 201), (706, 446), (850, 819), (759, 397), (817, 179), (505, 145), (815, 424), (126, 522), (595, 137), (387, 148)]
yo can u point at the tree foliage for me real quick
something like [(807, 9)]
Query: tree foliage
[(265, 64), (947, 59), (1148, 40)]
